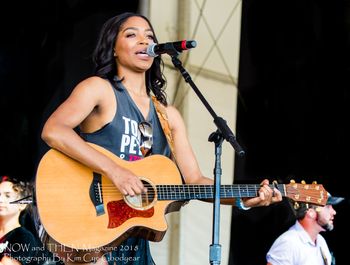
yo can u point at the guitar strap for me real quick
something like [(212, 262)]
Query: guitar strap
[(163, 118), (324, 257)]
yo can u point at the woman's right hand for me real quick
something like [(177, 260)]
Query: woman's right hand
[(127, 182)]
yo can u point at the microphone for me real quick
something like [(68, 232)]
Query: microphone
[(25, 200), (171, 48)]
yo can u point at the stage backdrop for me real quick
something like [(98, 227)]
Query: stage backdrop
[(292, 113)]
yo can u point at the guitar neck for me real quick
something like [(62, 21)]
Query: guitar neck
[(189, 192)]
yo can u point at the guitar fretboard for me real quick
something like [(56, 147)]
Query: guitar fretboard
[(189, 192)]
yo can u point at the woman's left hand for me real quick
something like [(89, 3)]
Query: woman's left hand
[(266, 196)]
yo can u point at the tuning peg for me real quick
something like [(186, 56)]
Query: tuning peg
[(314, 182), (292, 181), (296, 205), (303, 182)]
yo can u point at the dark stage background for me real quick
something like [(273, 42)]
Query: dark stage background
[(45, 50), (293, 114), (293, 98)]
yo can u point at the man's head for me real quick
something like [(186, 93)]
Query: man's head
[(323, 215)]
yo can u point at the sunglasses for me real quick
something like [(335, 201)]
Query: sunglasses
[(146, 131)]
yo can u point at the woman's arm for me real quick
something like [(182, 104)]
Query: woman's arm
[(88, 106)]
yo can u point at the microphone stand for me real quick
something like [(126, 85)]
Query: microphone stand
[(222, 132)]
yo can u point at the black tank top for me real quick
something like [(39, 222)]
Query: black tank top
[(122, 137)]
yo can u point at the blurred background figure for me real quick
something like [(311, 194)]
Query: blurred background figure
[(18, 245), (303, 244)]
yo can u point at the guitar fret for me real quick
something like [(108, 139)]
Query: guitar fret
[(231, 190), (184, 192), (195, 191), (160, 192), (202, 191), (179, 192), (173, 192), (188, 192), (191, 192), (245, 190), (195, 194), (223, 192)]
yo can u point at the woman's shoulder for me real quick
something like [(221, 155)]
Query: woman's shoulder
[(174, 115), (94, 82), (93, 87), (175, 120), (172, 110)]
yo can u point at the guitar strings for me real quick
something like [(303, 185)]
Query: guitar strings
[(207, 190), (223, 187), (116, 191)]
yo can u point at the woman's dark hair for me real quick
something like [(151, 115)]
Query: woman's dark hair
[(105, 64), (21, 187)]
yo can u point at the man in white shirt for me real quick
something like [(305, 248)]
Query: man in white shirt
[(302, 243)]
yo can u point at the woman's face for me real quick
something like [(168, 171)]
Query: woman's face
[(131, 44), (7, 195)]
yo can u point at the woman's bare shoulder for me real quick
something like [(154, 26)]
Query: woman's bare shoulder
[(92, 86), (173, 112), (174, 117), (94, 82)]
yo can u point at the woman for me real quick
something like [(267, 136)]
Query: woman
[(17, 244), (108, 107)]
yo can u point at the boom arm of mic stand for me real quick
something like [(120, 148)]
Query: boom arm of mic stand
[(220, 123)]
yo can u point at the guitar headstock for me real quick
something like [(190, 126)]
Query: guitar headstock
[(308, 193)]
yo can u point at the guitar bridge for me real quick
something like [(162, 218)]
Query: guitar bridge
[(96, 195)]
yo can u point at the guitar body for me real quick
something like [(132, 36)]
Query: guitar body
[(70, 217)]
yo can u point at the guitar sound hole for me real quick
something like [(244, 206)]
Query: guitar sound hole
[(143, 201)]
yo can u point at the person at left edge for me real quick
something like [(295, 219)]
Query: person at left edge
[(18, 245)]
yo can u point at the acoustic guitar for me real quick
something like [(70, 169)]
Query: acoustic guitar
[(83, 212)]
